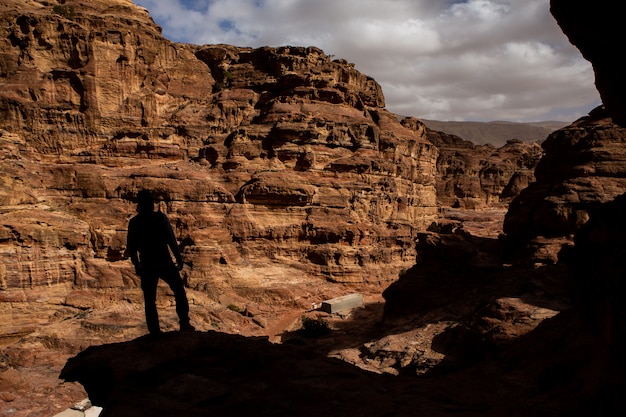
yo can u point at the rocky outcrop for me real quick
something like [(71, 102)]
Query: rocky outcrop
[(596, 260), (478, 176), (229, 374), (583, 167), (198, 374), (464, 277)]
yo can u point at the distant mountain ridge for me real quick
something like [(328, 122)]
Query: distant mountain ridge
[(496, 133)]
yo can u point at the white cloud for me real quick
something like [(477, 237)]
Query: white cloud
[(437, 59)]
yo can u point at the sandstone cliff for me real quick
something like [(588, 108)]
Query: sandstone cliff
[(277, 157), (287, 180), (583, 167)]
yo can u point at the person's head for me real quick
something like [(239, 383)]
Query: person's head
[(145, 201)]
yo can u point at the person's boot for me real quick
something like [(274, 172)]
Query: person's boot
[(187, 327)]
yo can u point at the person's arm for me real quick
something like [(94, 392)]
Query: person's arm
[(131, 245), (172, 243)]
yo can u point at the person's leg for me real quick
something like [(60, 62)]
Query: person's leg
[(173, 279), (149, 283)]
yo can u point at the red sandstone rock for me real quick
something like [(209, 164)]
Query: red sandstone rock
[(283, 174), (273, 132)]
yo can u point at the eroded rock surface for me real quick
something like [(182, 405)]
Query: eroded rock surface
[(480, 176), (272, 159), (286, 179), (583, 167), (288, 183)]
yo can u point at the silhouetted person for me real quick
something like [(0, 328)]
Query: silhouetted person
[(150, 240)]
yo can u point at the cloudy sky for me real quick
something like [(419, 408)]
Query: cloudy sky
[(435, 59)]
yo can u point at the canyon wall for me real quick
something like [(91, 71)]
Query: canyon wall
[(475, 176), (278, 167), (583, 167), (287, 181)]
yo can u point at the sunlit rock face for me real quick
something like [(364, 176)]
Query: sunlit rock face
[(278, 167)]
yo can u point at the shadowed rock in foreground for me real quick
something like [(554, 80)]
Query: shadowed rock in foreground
[(557, 370), (213, 373)]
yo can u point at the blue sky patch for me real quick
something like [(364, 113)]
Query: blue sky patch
[(227, 25)]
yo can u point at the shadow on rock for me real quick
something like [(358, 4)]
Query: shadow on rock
[(200, 374)]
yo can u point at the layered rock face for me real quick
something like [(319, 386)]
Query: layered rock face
[(281, 171), (583, 167), (286, 180), (277, 166), (478, 176)]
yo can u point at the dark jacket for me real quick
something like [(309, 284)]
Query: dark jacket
[(149, 237)]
